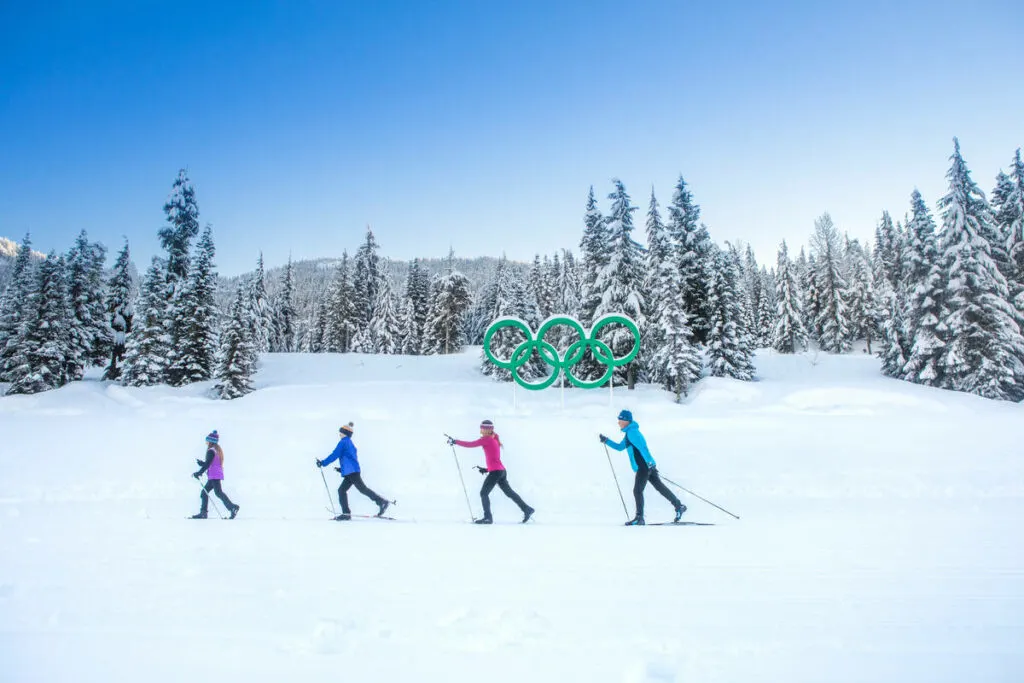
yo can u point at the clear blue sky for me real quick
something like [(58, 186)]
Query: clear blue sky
[(481, 125)]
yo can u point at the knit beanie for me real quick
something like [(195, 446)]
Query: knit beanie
[(487, 425), (213, 437), (348, 429), (626, 415)]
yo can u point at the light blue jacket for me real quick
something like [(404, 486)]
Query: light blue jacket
[(638, 443), (345, 451)]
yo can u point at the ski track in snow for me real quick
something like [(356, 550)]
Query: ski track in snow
[(878, 539)]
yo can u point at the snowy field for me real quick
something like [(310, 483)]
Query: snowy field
[(880, 537)]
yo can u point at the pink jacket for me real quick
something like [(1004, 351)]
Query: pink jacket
[(492, 450)]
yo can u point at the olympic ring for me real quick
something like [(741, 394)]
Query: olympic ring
[(550, 355)]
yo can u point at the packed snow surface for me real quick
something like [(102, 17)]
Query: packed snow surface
[(879, 539)]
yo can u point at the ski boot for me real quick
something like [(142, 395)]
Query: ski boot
[(483, 520), (527, 513), (636, 521), (383, 505), (343, 517), (234, 511), (679, 513), (198, 515)]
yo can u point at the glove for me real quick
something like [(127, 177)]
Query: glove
[(200, 462), (451, 441), (195, 475), (338, 470), (319, 463), (481, 470), (604, 439)]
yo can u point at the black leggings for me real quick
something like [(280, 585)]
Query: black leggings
[(642, 476), (499, 478), (214, 485), (347, 482)]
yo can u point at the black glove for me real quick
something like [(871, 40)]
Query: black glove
[(338, 470), (200, 462), (319, 463), (604, 439), (195, 474), (481, 470), (451, 441)]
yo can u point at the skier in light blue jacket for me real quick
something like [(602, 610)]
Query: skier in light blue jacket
[(643, 464)]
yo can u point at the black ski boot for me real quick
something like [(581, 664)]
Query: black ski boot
[(383, 505), (483, 520), (234, 511), (198, 515), (527, 513), (679, 512), (343, 517), (636, 521)]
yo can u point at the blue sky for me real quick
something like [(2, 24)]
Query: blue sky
[(481, 125)]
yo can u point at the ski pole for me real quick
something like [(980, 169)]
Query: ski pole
[(696, 496), (204, 492), (328, 490), (458, 468), (616, 477)]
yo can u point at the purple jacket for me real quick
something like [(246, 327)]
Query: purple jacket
[(214, 465)]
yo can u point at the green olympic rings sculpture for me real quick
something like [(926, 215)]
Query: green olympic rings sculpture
[(550, 355)]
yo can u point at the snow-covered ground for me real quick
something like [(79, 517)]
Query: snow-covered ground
[(880, 536)]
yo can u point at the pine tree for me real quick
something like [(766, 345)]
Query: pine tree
[(411, 343), (340, 323), (236, 365), (595, 248), (568, 286), (417, 292), (677, 358), (895, 343), (729, 353), (865, 314), (385, 328), (120, 311), (285, 316), (88, 332), (661, 281), (195, 360), (888, 256), (259, 313), (1012, 217), (13, 305), (148, 346), (366, 280), (448, 307), (830, 282), (621, 281), (183, 226), (767, 305), (695, 253), (925, 297), (511, 299), (790, 334), (985, 350), (43, 351), (752, 285)]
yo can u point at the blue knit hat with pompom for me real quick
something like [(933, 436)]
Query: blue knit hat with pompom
[(213, 437)]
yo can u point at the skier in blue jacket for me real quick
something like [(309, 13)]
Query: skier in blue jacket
[(345, 453), (644, 466)]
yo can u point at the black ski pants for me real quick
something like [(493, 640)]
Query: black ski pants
[(214, 485), (498, 478), (355, 479), (643, 475)]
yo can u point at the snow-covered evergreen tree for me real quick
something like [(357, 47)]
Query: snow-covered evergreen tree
[(512, 299), (695, 254), (865, 314), (595, 248), (752, 285), (20, 286), (676, 357), (260, 313), (236, 364), (831, 287), (895, 343), (88, 332), (366, 280), (925, 297), (340, 316), (195, 359), (182, 227), (385, 328), (120, 311), (1012, 218), (621, 282), (411, 343), (729, 353), (43, 352), (148, 346), (767, 305), (417, 292), (448, 307), (985, 350), (790, 334), (888, 255), (285, 316), (568, 285), (661, 283)]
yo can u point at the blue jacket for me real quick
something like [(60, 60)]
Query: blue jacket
[(638, 443), (345, 451)]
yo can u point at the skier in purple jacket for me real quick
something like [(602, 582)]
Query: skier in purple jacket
[(345, 453), (213, 466)]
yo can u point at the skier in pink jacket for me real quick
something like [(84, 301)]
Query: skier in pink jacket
[(495, 471)]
